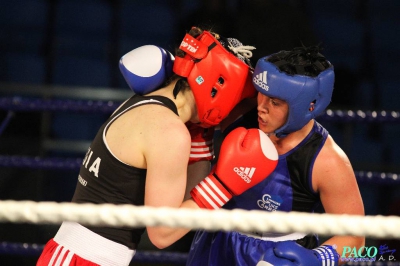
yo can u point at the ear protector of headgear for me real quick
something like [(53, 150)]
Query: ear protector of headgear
[(307, 97), (219, 80)]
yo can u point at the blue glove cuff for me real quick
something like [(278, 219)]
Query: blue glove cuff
[(327, 255)]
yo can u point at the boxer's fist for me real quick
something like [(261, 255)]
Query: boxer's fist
[(247, 156), (202, 147), (301, 256), (146, 68), (270, 259)]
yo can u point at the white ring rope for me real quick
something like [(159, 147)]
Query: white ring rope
[(211, 220)]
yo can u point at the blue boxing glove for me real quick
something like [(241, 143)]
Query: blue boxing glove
[(270, 259), (299, 255), (146, 68)]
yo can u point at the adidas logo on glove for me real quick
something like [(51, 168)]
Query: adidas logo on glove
[(261, 80), (246, 173)]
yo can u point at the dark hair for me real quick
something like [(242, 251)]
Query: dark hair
[(306, 61)]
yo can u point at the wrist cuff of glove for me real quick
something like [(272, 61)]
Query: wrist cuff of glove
[(327, 255), (210, 193), (201, 151)]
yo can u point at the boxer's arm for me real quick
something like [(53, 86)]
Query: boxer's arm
[(166, 159), (334, 180), (201, 154), (195, 173)]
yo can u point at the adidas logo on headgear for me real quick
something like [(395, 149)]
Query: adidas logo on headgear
[(246, 173), (261, 80)]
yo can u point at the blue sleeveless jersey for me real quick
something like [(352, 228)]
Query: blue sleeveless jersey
[(288, 188)]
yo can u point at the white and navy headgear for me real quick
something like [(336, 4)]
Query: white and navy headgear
[(303, 78)]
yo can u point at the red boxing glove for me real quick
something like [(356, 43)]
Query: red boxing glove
[(247, 157), (202, 148)]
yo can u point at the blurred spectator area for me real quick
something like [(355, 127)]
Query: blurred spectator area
[(69, 49)]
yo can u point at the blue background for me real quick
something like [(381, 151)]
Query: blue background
[(77, 44)]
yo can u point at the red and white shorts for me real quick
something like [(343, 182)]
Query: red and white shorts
[(75, 245)]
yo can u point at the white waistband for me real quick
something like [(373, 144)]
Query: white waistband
[(275, 237), (92, 246)]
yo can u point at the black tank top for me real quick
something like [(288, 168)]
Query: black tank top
[(105, 179)]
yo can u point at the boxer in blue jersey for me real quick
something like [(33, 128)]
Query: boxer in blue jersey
[(313, 171)]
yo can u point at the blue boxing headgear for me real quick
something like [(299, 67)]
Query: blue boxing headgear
[(307, 96)]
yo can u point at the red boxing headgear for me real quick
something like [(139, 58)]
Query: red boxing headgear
[(219, 79)]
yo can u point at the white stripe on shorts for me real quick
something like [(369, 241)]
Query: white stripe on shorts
[(54, 255), (68, 259), (92, 247)]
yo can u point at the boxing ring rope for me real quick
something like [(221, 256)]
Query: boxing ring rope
[(26, 104), (133, 216), (210, 220)]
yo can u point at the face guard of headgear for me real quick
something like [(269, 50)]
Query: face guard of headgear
[(307, 97), (219, 79)]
